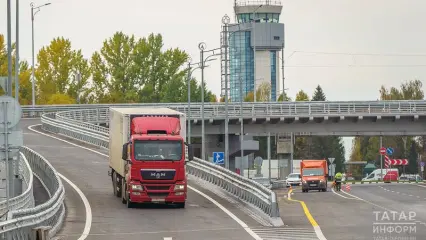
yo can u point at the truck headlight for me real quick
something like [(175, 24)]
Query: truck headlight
[(136, 187), (179, 187)]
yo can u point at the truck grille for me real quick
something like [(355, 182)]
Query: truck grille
[(313, 182), (158, 195), (158, 174), (161, 187)]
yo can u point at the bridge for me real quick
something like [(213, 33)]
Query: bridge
[(88, 124), (351, 118)]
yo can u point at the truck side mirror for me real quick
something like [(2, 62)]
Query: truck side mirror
[(190, 152), (124, 155)]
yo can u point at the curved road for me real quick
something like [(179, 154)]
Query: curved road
[(111, 219), (357, 214)]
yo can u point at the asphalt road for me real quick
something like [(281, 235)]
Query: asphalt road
[(111, 219), (356, 216)]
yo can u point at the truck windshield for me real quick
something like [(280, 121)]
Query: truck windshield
[(158, 150), (313, 172)]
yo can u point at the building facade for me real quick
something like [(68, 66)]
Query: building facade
[(254, 45)]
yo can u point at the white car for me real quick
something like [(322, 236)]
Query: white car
[(293, 179)]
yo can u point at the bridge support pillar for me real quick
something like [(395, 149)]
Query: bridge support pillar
[(41, 233)]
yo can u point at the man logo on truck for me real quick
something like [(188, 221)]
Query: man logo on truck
[(158, 175)]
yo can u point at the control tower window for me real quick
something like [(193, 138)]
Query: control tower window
[(260, 17)]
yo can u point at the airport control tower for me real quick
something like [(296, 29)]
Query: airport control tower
[(253, 46)]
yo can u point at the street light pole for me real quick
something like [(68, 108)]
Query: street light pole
[(241, 127), (282, 67), (32, 44), (202, 46), (226, 20), (9, 49), (189, 75), (17, 53)]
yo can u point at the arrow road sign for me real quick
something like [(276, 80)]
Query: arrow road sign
[(218, 157), (389, 151), (382, 151), (395, 162)]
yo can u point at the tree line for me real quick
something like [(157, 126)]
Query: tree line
[(126, 69), (367, 148)]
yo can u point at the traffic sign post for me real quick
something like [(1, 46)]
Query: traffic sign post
[(382, 151), (389, 151), (219, 158), (11, 139)]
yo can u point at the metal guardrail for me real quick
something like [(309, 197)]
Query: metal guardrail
[(20, 223), (263, 109), (244, 188), (26, 198)]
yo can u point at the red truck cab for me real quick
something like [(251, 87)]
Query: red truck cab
[(155, 161)]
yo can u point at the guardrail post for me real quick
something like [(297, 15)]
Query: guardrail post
[(41, 233), (275, 211)]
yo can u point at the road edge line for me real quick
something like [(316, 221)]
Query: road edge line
[(229, 213), (88, 223), (308, 214)]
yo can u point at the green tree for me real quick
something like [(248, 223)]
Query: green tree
[(367, 148), (286, 98), (301, 146), (128, 69), (25, 93), (263, 93), (57, 72)]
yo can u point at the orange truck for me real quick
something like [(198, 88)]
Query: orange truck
[(314, 175)]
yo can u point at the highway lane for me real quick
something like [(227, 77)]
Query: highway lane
[(111, 219), (402, 198), (339, 217)]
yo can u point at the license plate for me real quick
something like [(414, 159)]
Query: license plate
[(313, 185), (158, 200)]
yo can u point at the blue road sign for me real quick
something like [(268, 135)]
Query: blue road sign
[(389, 151), (422, 164), (218, 157)]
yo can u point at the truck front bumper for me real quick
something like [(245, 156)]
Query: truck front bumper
[(144, 197), (314, 186)]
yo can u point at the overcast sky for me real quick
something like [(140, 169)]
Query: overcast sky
[(390, 32)]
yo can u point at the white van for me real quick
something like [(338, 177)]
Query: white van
[(377, 174)]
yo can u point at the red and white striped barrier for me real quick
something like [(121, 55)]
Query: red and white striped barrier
[(347, 187), (394, 162)]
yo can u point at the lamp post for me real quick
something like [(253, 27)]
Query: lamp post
[(17, 53), (33, 13), (225, 21), (190, 71), (241, 126), (254, 50), (202, 46)]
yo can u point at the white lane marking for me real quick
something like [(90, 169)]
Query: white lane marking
[(168, 238), (88, 223), (340, 195), (235, 218), (367, 201)]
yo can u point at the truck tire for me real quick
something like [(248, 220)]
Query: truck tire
[(114, 184), (180, 205)]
